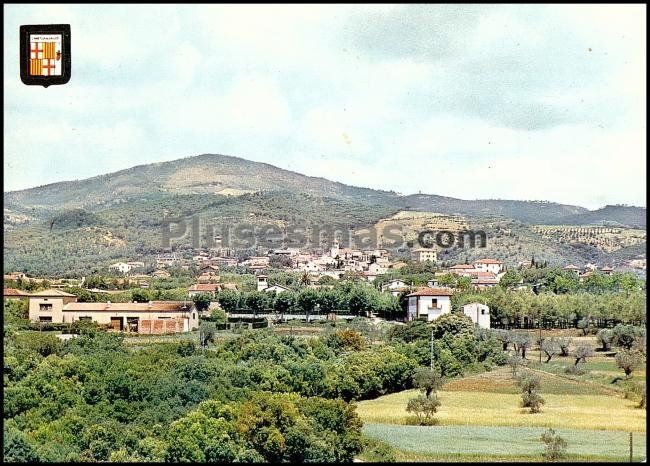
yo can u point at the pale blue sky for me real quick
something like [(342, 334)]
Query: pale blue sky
[(509, 101)]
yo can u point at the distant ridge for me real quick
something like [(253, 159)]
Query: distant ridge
[(214, 173)]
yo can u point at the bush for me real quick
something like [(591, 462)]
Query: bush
[(376, 451), (604, 337), (424, 408), (530, 384), (554, 446), (629, 361)]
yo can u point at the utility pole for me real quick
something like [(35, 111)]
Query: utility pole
[(630, 447), (431, 349), (539, 326)]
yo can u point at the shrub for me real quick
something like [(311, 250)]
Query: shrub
[(554, 446), (629, 361), (530, 398), (376, 451), (604, 337), (582, 353), (424, 408)]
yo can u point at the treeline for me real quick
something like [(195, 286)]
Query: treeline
[(357, 298), (255, 397), (526, 309)]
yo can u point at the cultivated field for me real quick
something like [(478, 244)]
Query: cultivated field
[(480, 418)]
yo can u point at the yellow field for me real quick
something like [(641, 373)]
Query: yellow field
[(492, 399)]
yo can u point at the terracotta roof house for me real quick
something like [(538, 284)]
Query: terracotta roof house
[(156, 317), (199, 288), (13, 293), (429, 303)]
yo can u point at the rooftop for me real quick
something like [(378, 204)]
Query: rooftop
[(152, 306), (52, 292), (488, 261), (433, 292), (14, 292)]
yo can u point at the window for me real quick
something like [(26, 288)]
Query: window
[(45, 307), (434, 304), (45, 318), (193, 315), (86, 318)]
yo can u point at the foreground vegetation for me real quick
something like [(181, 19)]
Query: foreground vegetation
[(476, 443)]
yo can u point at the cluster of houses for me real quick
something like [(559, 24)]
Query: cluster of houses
[(588, 270), (158, 317), (154, 317)]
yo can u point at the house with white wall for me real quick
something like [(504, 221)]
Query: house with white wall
[(430, 303), (479, 313), (489, 265)]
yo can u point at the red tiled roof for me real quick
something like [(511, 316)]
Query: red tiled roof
[(52, 292), (152, 306), (461, 266), (607, 268), (571, 267), (205, 287), (14, 292), (433, 292)]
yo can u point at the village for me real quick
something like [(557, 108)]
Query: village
[(430, 301)]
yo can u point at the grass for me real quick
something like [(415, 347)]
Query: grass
[(493, 399), (472, 443), (468, 408)]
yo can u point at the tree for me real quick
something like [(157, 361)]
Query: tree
[(510, 279), (285, 302), (554, 446), (424, 409), (604, 337), (550, 347), (530, 397), (629, 361), (207, 331), (202, 301), (17, 449), (625, 335), (464, 283), (584, 324), (456, 325), (228, 300), (564, 344), (515, 362), (140, 296), (582, 353), (218, 316), (427, 381), (522, 342)]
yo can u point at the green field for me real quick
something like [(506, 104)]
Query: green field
[(472, 443), (480, 418)]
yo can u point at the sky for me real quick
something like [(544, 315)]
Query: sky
[(534, 102)]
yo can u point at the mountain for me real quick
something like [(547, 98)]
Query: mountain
[(612, 215), (226, 175), (75, 227)]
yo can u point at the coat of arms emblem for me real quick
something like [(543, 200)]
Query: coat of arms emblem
[(45, 54)]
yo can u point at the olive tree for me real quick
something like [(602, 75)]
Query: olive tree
[(629, 361), (530, 398)]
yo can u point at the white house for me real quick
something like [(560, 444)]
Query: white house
[(276, 288), (430, 303), (479, 313), (376, 269), (121, 267), (393, 284), (489, 265)]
